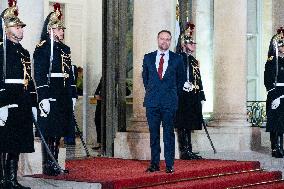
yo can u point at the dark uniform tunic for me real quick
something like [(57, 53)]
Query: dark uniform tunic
[(275, 117), (189, 113), (17, 134), (61, 89)]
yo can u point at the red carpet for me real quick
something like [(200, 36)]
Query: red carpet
[(119, 173), (274, 185)]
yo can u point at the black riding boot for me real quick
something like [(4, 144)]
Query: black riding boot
[(45, 160), (280, 139), (49, 166), (11, 172), (275, 145), (56, 147), (185, 146), (2, 171), (56, 169), (182, 144), (191, 155)]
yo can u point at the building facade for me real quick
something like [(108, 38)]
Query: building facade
[(232, 44)]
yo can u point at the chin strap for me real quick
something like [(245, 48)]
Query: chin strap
[(276, 56), (16, 37), (51, 55), (4, 50)]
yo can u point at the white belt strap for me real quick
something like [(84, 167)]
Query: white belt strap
[(16, 81), (58, 75), (280, 84), (271, 90), (42, 86)]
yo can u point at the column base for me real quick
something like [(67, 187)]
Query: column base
[(136, 145), (138, 124), (229, 123), (241, 139)]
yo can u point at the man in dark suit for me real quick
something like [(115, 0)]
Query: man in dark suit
[(163, 79)]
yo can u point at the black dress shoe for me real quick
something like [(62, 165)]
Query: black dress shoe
[(153, 168), (170, 169)]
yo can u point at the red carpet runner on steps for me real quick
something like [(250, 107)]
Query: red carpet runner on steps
[(115, 173)]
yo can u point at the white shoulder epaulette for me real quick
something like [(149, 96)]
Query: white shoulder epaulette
[(270, 58), (40, 43)]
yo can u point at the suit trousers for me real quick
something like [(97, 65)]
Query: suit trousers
[(156, 116)]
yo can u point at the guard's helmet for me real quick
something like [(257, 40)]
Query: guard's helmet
[(10, 15)]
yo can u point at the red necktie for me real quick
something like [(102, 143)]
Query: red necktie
[(160, 69)]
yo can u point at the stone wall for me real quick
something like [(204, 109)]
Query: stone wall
[(278, 14)]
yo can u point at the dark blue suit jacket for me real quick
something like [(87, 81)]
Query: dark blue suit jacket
[(163, 93)]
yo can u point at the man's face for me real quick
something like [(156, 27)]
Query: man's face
[(58, 34), (164, 41), (281, 49), (191, 47), (281, 34), (15, 33)]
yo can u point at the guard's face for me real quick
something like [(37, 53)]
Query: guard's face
[(281, 49), (164, 41), (15, 33), (58, 34), (191, 47)]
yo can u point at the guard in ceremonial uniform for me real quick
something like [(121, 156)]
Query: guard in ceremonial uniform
[(189, 114), (55, 85), (17, 98), (274, 83)]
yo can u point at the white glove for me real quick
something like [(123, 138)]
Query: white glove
[(74, 103), (3, 115), (34, 110), (275, 103), (202, 103), (44, 107), (187, 86)]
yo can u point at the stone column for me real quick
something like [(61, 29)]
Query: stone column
[(267, 32), (204, 50), (92, 66), (34, 20), (277, 11), (229, 131), (230, 67), (150, 17), (3, 5)]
